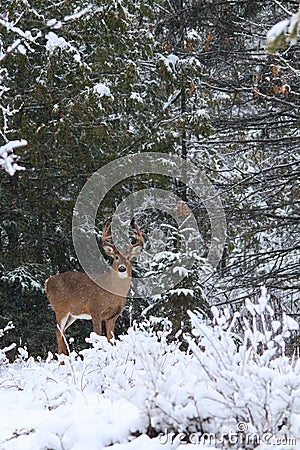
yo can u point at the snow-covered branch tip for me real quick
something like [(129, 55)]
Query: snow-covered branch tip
[(283, 33), (8, 160)]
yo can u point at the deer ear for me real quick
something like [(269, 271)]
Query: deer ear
[(109, 251), (135, 251)]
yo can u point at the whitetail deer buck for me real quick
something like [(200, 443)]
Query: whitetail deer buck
[(73, 295)]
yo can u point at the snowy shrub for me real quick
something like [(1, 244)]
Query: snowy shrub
[(253, 383), (3, 351), (228, 390), (245, 384)]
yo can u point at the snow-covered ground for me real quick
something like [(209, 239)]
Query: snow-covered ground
[(44, 405), (215, 395)]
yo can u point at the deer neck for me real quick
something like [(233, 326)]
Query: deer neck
[(112, 281)]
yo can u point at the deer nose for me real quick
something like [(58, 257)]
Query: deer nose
[(122, 269)]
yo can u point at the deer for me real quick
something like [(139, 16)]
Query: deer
[(73, 295)]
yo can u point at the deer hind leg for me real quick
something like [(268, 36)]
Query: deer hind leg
[(62, 324), (62, 348)]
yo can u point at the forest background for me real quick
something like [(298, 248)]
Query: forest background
[(87, 82)]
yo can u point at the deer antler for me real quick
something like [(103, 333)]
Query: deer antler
[(104, 237), (138, 235)]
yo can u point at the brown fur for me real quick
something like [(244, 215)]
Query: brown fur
[(74, 294)]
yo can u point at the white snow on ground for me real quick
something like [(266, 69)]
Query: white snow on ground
[(46, 406), (215, 395)]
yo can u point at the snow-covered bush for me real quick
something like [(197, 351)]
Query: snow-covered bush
[(228, 390), (244, 384), (4, 350), (253, 383)]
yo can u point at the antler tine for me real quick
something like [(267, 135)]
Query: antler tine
[(105, 237), (138, 235)]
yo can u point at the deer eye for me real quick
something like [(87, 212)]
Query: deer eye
[(117, 258)]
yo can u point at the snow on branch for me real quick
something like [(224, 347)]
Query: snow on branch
[(283, 33), (54, 23), (23, 37), (8, 160), (54, 42)]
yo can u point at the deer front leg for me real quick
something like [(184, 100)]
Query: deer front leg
[(110, 328), (97, 325)]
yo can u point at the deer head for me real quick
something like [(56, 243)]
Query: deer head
[(122, 261)]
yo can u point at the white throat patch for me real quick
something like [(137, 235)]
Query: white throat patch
[(122, 275)]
